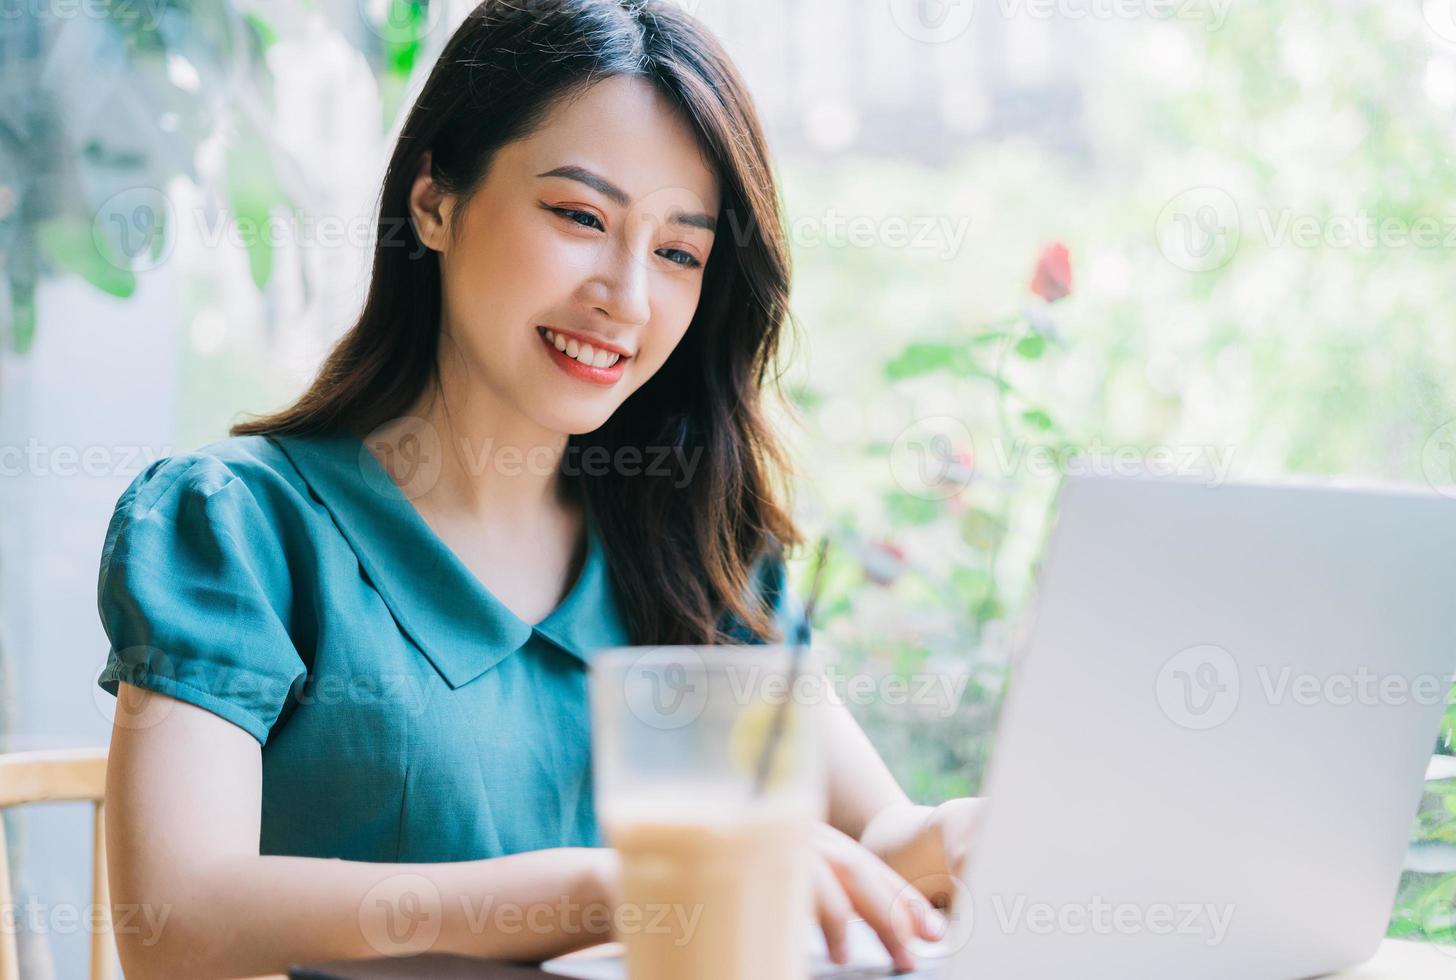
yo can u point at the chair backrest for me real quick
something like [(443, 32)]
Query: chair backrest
[(49, 777)]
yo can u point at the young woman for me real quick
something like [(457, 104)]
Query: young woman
[(349, 643)]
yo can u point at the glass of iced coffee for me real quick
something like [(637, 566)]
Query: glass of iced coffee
[(707, 780)]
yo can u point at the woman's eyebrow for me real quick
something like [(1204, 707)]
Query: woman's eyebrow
[(620, 198)]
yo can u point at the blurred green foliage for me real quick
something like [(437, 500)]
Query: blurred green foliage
[(1322, 356)]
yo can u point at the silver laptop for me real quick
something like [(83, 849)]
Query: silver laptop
[(1214, 741)]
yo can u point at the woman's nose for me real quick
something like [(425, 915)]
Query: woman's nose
[(623, 287)]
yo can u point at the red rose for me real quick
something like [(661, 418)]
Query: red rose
[(1053, 278)]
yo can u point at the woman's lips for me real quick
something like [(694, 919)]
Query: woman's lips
[(603, 376)]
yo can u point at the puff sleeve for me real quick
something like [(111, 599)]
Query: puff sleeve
[(194, 594)]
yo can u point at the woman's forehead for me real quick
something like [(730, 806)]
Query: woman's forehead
[(628, 133)]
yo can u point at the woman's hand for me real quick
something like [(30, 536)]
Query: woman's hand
[(928, 846), (850, 881), (953, 825)]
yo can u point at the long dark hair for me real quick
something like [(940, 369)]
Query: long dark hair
[(682, 553)]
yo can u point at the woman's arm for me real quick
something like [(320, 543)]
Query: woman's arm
[(923, 844), (192, 896)]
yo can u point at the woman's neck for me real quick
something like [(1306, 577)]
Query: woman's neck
[(491, 464)]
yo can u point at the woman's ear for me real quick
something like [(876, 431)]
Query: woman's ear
[(429, 208)]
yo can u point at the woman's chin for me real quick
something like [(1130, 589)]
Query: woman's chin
[(574, 423)]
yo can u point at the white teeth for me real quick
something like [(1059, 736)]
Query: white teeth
[(585, 353)]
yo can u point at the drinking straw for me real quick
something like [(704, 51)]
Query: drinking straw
[(796, 655)]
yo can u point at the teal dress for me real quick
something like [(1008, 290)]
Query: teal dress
[(287, 585)]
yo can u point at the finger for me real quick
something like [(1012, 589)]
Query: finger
[(834, 910), (874, 898), (926, 921), (918, 914)]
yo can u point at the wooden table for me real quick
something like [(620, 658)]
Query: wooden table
[(1395, 960)]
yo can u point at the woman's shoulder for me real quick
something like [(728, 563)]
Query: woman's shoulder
[(251, 464), (255, 461), (242, 488)]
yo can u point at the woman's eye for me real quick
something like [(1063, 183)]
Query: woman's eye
[(584, 218), (678, 257)]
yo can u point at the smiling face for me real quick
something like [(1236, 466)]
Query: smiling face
[(594, 230)]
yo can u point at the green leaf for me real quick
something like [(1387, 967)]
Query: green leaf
[(981, 530), (253, 190), (1031, 347), (22, 318), (918, 359), (971, 585), (267, 36), (405, 23), (988, 609), (69, 244), (907, 508), (988, 337), (925, 358), (1037, 419)]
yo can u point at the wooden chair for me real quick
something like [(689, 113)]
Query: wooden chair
[(46, 777)]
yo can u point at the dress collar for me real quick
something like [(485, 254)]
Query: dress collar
[(440, 604)]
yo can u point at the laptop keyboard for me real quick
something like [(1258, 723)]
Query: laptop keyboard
[(868, 973)]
